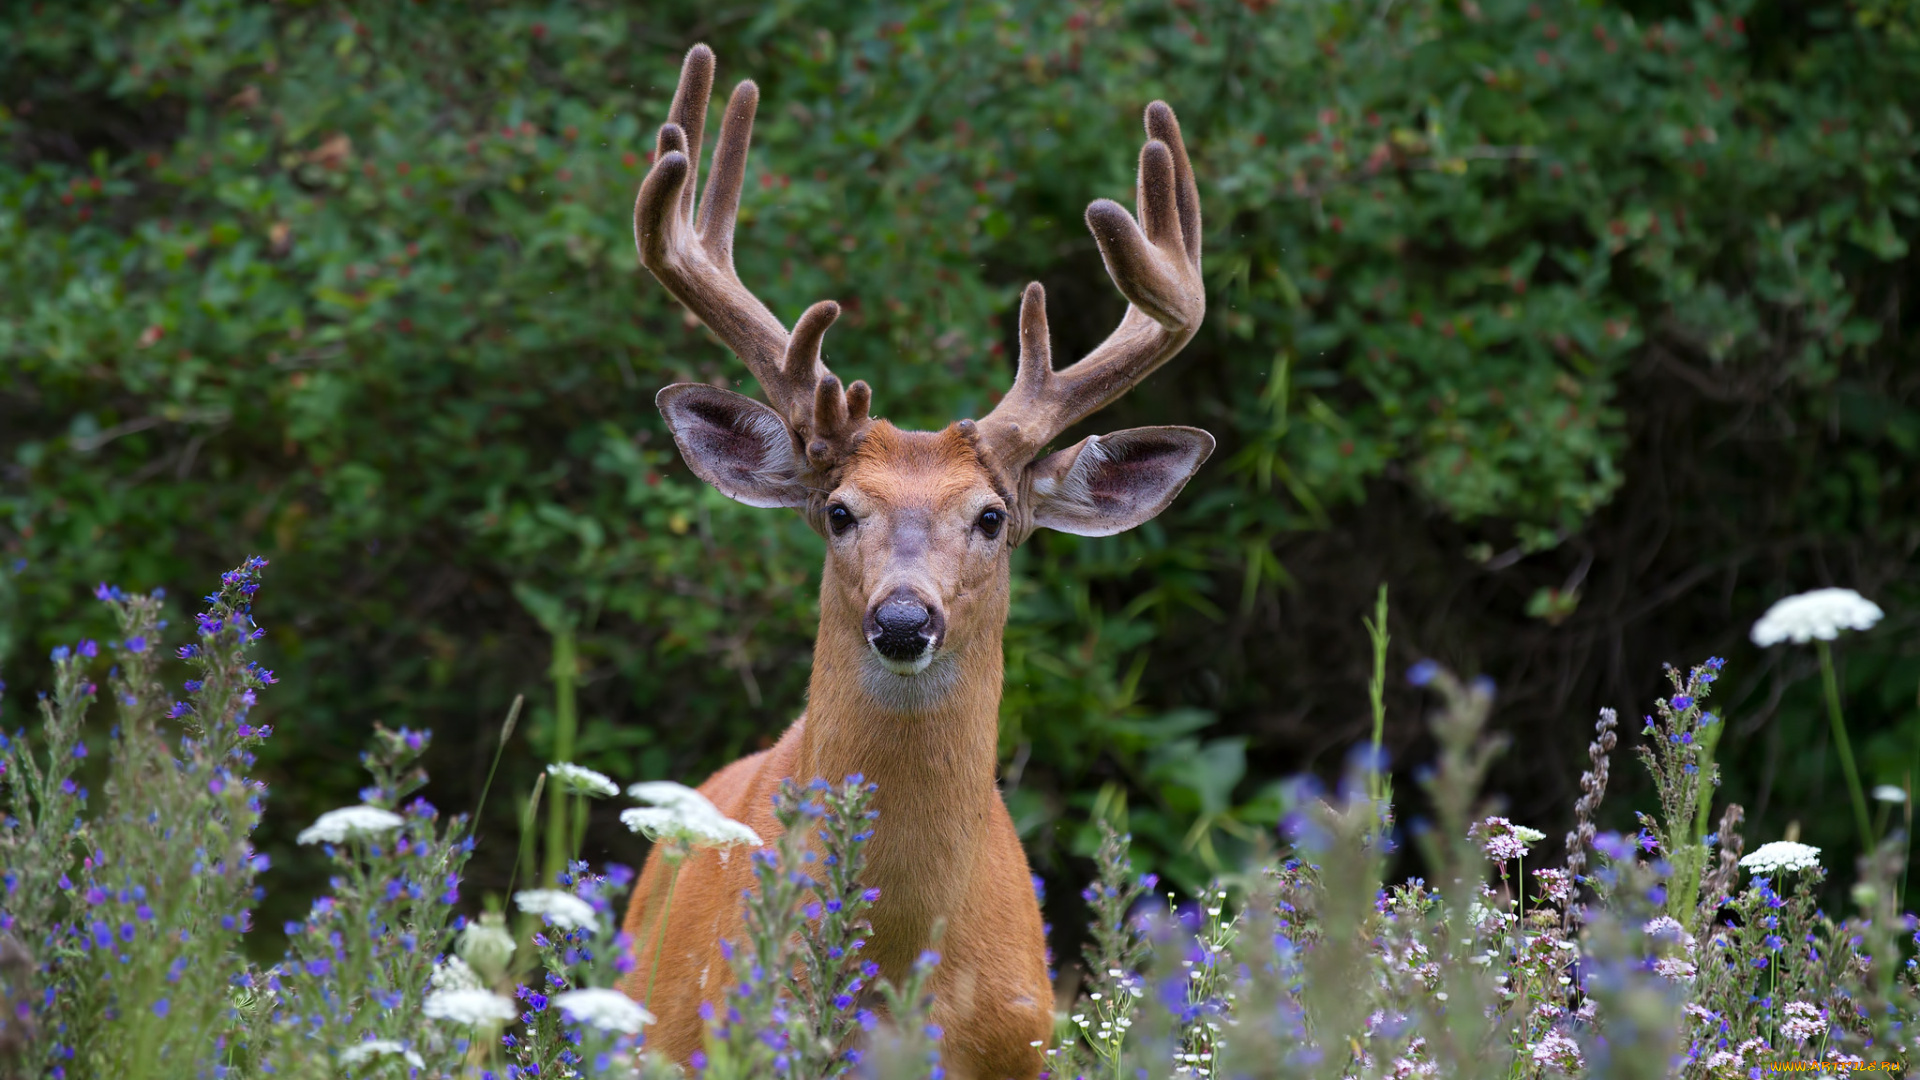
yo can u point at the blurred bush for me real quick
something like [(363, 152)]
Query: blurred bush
[(1579, 323)]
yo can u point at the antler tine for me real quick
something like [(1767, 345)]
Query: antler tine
[(692, 255), (1155, 263)]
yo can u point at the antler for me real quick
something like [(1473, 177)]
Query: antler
[(1156, 264), (693, 257)]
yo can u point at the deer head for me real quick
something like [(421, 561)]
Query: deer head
[(919, 524)]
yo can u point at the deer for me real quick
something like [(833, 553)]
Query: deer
[(919, 529)]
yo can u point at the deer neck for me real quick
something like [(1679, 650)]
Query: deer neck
[(932, 749)]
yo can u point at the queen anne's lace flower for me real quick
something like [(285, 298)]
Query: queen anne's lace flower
[(452, 973), (361, 1053), (608, 1010), (578, 778), (682, 815), (485, 945), (1890, 793), (562, 909), (1781, 856), (335, 826), (1821, 614), (468, 1006)]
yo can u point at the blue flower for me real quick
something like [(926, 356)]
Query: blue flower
[(1423, 672), (1681, 702), (162, 1008)]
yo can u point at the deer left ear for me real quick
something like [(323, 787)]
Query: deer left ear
[(734, 443), (1106, 484)]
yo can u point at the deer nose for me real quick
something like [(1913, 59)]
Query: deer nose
[(902, 627)]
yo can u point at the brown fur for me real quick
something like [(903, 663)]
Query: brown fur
[(944, 850)]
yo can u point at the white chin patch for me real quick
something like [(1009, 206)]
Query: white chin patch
[(905, 667)]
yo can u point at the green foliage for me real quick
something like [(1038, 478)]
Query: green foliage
[(353, 285)]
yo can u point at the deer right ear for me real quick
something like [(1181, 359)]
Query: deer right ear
[(735, 443)]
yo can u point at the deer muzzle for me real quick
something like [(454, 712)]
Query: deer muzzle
[(904, 630)]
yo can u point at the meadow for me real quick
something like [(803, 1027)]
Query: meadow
[(1683, 950)]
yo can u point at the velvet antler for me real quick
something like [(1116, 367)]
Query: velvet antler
[(1155, 262), (690, 251)]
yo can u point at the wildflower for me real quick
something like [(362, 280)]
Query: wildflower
[(578, 778), (1803, 1022), (1890, 793), (335, 826), (1821, 614), (1781, 856), (1555, 1050), (1423, 672), (562, 909), (608, 1010), (681, 815), (360, 1053), (468, 1006), (1504, 840), (1672, 967), (1555, 885), (452, 973), (486, 945)]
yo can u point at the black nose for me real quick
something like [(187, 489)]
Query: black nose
[(901, 627), (902, 615)]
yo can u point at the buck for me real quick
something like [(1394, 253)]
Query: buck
[(919, 528)]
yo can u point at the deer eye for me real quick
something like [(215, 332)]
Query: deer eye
[(990, 522), (839, 519)]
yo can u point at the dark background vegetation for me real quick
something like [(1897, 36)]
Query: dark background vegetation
[(1582, 326)]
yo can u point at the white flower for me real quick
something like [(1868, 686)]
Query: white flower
[(1892, 793), (452, 973), (468, 1006), (1504, 840), (1781, 856), (1674, 968), (562, 909), (570, 777), (358, 1053), (1803, 1021), (608, 1010), (1556, 1050), (485, 944), (335, 826), (1822, 614), (682, 815)]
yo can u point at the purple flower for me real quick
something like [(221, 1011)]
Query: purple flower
[(161, 1007), (1681, 702), (187, 652), (137, 644), (89, 648), (1423, 672)]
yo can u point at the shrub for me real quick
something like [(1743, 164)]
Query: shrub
[(354, 286)]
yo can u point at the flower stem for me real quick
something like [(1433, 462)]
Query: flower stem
[(1845, 747), (660, 930), (1377, 789)]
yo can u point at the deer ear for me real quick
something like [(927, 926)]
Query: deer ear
[(735, 443), (1106, 484)]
